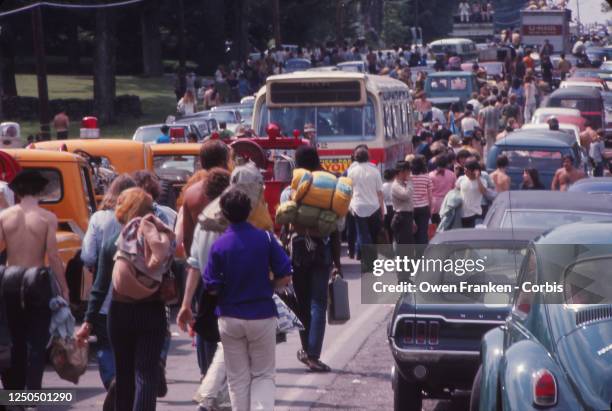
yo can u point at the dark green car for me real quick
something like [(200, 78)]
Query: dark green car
[(554, 351)]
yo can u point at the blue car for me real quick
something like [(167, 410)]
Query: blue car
[(539, 149), (554, 351), (447, 87), (595, 185)]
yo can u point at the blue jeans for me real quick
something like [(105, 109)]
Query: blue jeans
[(205, 351), (104, 352), (311, 270)]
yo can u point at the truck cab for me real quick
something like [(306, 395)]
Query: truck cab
[(70, 196)]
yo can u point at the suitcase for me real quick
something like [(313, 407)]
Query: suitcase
[(338, 311)]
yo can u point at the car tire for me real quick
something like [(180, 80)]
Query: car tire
[(167, 195), (406, 395), (475, 394)]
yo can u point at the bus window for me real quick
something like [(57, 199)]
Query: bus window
[(332, 123)]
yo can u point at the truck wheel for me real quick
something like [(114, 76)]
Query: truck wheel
[(167, 195), (475, 394), (406, 395)]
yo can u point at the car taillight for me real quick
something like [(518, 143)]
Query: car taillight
[(434, 332), (544, 388), (408, 330), (421, 332)]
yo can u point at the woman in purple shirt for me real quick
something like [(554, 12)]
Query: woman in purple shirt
[(238, 272)]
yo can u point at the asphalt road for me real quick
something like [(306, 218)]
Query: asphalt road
[(297, 389)]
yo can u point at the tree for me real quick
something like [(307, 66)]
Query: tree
[(151, 39), (104, 66), (240, 46), (395, 30), (7, 55)]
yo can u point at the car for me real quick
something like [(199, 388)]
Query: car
[(571, 129), (435, 337), (353, 66), (201, 127), (603, 73), (297, 64), (595, 185), (178, 129), (245, 110), (553, 352), (444, 88), (231, 117), (464, 48), (588, 100), (585, 82), (545, 209), (539, 149), (563, 115), (597, 55), (494, 69), (175, 164)]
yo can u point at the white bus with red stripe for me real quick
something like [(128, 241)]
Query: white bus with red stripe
[(346, 109)]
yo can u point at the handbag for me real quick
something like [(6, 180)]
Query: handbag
[(338, 310), (69, 358), (287, 320)]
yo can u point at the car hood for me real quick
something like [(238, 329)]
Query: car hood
[(586, 356)]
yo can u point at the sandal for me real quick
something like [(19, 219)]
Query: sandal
[(318, 366), (303, 357)]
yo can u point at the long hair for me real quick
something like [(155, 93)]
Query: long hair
[(188, 97), (121, 183)]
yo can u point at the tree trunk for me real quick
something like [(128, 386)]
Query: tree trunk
[(151, 39), (72, 45), (276, 22), (339, 22), (7, 54), (210, 50), (240, 47), (104, 66)]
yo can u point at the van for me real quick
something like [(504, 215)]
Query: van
[(463, 48)]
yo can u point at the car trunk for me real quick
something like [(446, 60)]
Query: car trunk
[(455, 327), (586, 356)]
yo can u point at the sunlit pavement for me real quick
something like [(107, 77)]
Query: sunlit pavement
[(297, 389)]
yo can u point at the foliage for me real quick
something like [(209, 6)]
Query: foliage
[(435, 18)]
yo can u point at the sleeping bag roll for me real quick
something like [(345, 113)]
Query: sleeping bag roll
[(300, 183), (342, 196), (321, 191)]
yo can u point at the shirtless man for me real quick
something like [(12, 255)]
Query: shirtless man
[(61, 124), (27, 231), (213, 153), (566, 175), (499, 176)]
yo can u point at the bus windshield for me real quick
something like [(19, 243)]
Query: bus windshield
[(335, 123)]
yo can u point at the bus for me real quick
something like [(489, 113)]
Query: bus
[(346, 109)]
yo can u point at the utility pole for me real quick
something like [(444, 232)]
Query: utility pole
[(41, 73), (276, 22)]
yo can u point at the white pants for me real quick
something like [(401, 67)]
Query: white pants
[(249, 351), (465, 16), (212, 391), (529, 110)]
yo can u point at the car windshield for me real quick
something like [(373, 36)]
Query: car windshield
[(539, 159), (588, 281), (580, 104), (147, 134), (188, 163), (545, 219), (332, 123), (441, 84), (224, 116), (501, 266)]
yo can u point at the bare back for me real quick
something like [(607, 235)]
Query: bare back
[(501, 180), (25, 230)]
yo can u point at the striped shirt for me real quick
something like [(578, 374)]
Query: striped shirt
[(422, 186)]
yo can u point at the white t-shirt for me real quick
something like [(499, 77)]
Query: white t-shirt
[(468, 124), (471, 196), (386, 189), (8, 194), (367, 183), (464, 7), (475, 105), (437, 114)]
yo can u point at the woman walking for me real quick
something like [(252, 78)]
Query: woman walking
[(422, 198), (530, 94), (238, 273), (187, 104)]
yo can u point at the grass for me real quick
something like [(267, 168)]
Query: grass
[(156, 96)]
